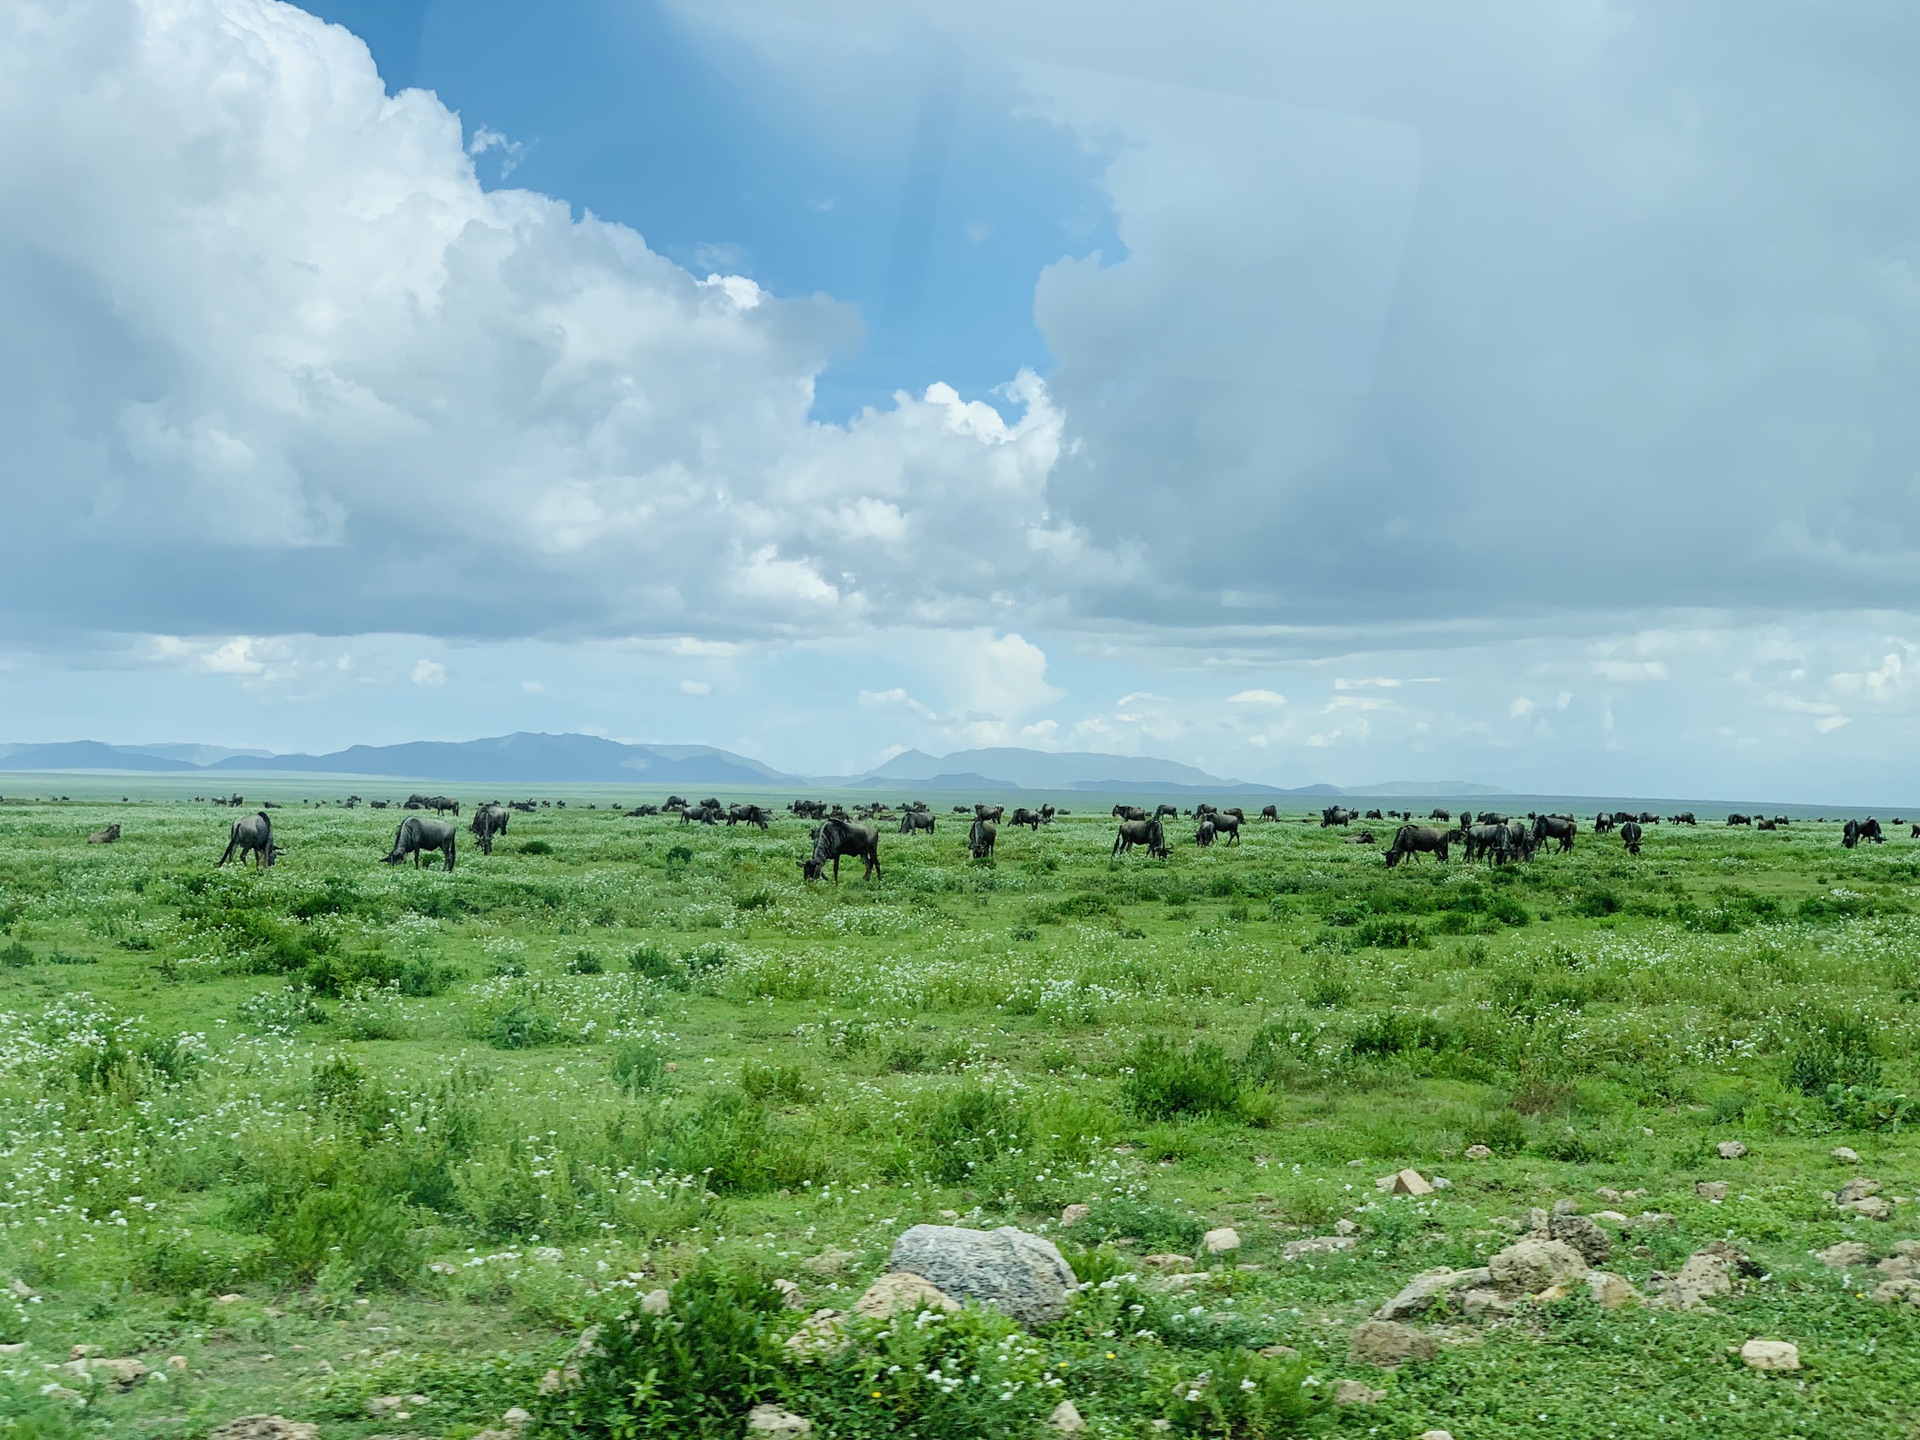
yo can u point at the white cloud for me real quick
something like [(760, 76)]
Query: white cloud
[(696, 687), (1521, 708), (1257, 697), (429, 672), (532, 687), (1630, 670)]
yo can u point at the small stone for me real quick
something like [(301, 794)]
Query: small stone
[(1222, 1241), (233, 1300), (1771, 1354), (441, 1267), (1405, 1182), (1874, 1207), (1479, 1152), (1440, 1182), (1386, 1343), (1279, 1352), (1436, 1435), (1479, 1304), (1429, 1289), (1612, 1217), (122, 1373), (1707, 1273), (16, 1348), (1612, 1292), (1073, 1215), (1855, 1190), (831, 1262), (656, 1302), (1843, 1155), (1712, 1191), (1318, 1245), (1593, 1243), (177, 1364), (1653, 1220), (1847, 1255), (1066, 1418), (80, 1352), (265, 1427), (1355, 1392), (819, 1333), (1907, 1249), (384, 1405), (902, 1290), (1538, 1220), (61, 1392), (1609, 1194), (1565, 1207), (790, 1295), (1167, 1264), (1529, 1266), (671, 1066), (1730, 1149), (772, 1420), (1344, 1226), (949, 1214), (515, 1417)]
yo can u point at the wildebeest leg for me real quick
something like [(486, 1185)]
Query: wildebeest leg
[(450, 854), (836, 869), (228, 856)]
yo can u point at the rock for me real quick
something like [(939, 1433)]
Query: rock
[(1612, 1292), (1612, 1217), (385, 1405), (1593, 1243), (902, 1290), (1771, 1355), (177, 1364), (1355, 1392), (1653, 1220), (830, 1262), (1318, 1245), (1907, 1249), (61, 1392), (1279, 1352), (1844, 1155), (1436, 1435), (1527, 1267), (790, 1295), (81, 1352), (1066, 1418), (1538, 1220), (1223, 1241), (656, 1302), (1874, 1207), (494, 1432), (1566, 1207), (1846, 1255), (1344, 1226), (235, 1300), (1431, 1288), (443, 1267), (1167, 1264), (1707, 1273), (772, 1420), (1712, 1191), (1440, 1182), (819, 1334), (1730, 1149), (515, 1417), (1479, 1152), (1855, 1190), (1895, 1292), (1022, 1274), (1073, 1215), (1609, 1194), (265, 1427), (1404, 1182), (1183, 1280), (1480, 1304), (1386, 1343), (121, 1372)]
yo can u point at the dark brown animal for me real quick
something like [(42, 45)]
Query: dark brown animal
[(834, 838)]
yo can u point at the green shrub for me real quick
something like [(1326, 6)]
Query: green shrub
[(1164, 1081), (522, 1025), (1244, 1396), (730, 1139), (1113, 1217), (775, 1084), (638, 1066), (1390, 932), (689, 1374), (1398, 1033), (536, 847), (969, 1126), (1824, 1050), (650, 960), (347, 1230), (15, 954), (585, 962)]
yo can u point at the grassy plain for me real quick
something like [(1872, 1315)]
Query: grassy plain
[(427, 1127)]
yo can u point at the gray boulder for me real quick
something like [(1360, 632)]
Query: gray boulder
[(1593, 1243), (1022, 1274)]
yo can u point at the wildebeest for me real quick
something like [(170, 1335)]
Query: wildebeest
[(1203, 837), (1488, 841), (378, 804), (417, 835), (1858, 830), (637, 812), (252, 835), (437, 803), (1129, 812), (990, 812), (980, 838), (702, 813), (751, 815), (1916, 833), (1411, 840), (1228, 823), (1519, 839), (1647, 817), (1685, 817), (1781, 822), (488, 821), (1270, 812), (1162, 811), (1739, 820), (808, 809), (1442, 815), (833, 838), (1026, 817), (961, 810), (1373, 815), (1602, 823), (1630, 836), (1765, 824), (1555, 827), (1336, 815), (1141, 832), (916, 820), (104, 837)]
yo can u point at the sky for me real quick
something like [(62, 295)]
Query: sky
[(1515, 394)]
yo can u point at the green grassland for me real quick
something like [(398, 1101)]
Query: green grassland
[(336, 1131)]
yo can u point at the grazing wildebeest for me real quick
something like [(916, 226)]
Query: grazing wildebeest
[(1029, 818), (379, 804), (980, 838), (809, 809), (252, 835), (1412, 840), (1373, 815), (1739, 820), (1129, 812), (1442, 815), (488, 821), (104, 837), (916, 820), (1781, 822), (1203, 837), (702, 813), (834, 838), (1647, 817), (1365, 837), (989, 812), (1228, 823), (1685, 817), (1858, 830), (1141, 832), (638, 811), (1484, 840), (1916, 833), (1270, 812), (417, 835), (751, 815), (1765, 824), (525, 807), (1336, 815), (1630, 836), (1602, 823), (1161, 812), (961, 810), (1519, 839), (1555, 827)]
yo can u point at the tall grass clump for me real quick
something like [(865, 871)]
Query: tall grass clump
[(1164, 1081)]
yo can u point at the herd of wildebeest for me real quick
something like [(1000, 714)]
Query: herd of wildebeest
[(837, 833)]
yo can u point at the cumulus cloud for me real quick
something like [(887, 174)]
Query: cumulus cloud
[(282, 349), (429, 672), (1257, 697)]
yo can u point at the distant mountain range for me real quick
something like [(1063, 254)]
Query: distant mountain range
[(578, 759)]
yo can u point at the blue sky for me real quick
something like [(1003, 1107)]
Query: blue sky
[(1306, 393)]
